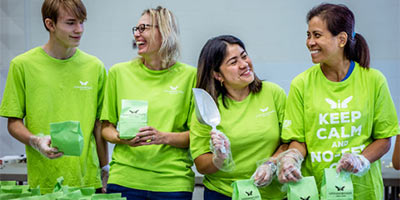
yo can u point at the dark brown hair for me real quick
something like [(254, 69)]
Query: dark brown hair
[(210, 60), (51, 8), (339, 19)]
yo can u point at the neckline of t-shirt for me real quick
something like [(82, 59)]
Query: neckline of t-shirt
[(229, 100), (340, 82), (59, 60), (156, 72)]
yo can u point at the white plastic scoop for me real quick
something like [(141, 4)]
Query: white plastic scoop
[(207, 111)]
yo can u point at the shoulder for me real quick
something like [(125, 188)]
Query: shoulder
[(266, 85), (185, 68), (123, 65), (371, 74), (85, 57), (308, 74), (27, 56)]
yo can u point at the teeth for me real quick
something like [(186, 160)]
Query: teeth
[(314, 51), (139, 43)]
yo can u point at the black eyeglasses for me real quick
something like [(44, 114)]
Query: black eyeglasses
[(142, 27)]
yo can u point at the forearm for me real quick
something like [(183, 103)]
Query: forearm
[(101, 144), (396, 153), (179, 140), (18, 130), (376, 149), (299, 146), (280, 149), (110, 133), (205, 165)]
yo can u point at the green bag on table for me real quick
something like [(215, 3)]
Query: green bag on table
[(133, 117), (336, 186), (305, 189), (245, 190), (114, 196), (67, 137)]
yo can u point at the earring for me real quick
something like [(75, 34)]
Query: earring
[(341, 45), (222, 85)]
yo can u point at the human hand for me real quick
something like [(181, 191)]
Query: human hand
[(149, 135), (220, 147), (353, 163), (289, 165), (104, 177), (42, 144), (265, 173)]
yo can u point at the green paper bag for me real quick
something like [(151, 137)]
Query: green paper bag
[(133, 117), (336, 186), (305, 189), (107, 196), (67, 137), (245, 190)]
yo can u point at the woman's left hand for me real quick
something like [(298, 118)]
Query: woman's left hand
[(149, 135)]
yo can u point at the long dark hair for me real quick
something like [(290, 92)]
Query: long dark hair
[(211, 57), (339, 19)]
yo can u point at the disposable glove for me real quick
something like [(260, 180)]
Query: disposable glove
[(289, 165), (353, 163), (104, 177), (42, 144), (265, 173), (222, 158)]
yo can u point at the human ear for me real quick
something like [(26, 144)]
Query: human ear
[(342, 36), (218, 76), (49, 24)]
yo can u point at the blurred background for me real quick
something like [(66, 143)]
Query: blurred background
[(274, 33)]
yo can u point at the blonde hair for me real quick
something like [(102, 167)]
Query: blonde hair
[(168, 27)]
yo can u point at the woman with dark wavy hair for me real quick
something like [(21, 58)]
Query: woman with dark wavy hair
[(251, 120), (339, 113)]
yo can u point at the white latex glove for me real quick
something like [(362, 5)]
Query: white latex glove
[(104, 177), (353, 163), (221, 159), (265, 173), (42, 144), (289, 165)]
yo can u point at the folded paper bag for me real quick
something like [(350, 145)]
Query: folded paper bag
[(133, 117), (67, 137), (336, 186), (245, 190), (305, 189)]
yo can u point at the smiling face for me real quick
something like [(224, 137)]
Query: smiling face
[(324, 47), (236, 70), (68, 30), (149, 41)]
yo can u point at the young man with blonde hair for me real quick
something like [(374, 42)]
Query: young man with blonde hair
[(57, 82)]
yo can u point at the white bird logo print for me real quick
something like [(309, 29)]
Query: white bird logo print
[(264, 110), (339, 104), (84, 83), (173, 88)]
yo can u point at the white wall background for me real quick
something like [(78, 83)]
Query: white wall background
[(274, 33)]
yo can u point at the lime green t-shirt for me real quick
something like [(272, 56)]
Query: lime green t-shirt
[(42, 90), (334, 118), (161, 168), (253, 127)]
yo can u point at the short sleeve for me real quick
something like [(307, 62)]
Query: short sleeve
[(385, 118), (199, 137), (100, 93), (110, 104), (293, 125), (13, 102)]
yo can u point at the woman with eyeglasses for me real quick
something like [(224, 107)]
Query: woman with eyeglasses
[(155, 164), (251, 120), (339, 113)]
